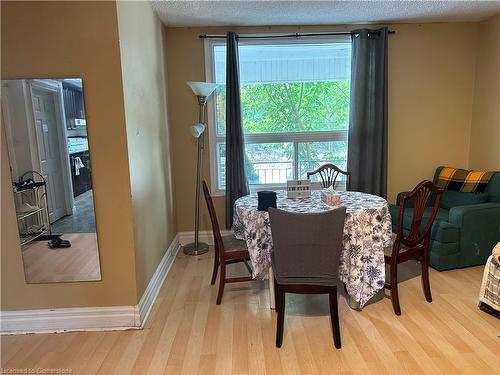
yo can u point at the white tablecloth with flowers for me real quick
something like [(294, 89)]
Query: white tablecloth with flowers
[(367, 228)]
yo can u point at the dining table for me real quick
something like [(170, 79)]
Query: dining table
[(367, 230)]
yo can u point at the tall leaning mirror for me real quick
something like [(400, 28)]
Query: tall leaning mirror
[(46, 132)]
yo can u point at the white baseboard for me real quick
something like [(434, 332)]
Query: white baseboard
[(91, 318), (157, 280), (203, 236), (69, 319)]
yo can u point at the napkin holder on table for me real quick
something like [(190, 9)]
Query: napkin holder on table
[(266, 199), (298, 189), (330, 197)]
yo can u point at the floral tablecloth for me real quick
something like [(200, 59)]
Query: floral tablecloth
[(367, 228)]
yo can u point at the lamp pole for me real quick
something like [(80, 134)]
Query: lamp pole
[(197, 248), (199, 88)]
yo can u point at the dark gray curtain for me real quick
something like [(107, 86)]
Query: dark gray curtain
[(367, 151), (236, 178)]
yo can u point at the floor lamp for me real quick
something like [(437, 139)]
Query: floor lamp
[(202, 90)]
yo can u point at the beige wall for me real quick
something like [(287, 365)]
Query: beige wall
[(149, 150), (485, 132), (72, 39), (431, 84), (431, 81)]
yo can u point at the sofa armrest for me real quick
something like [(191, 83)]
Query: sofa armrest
[(484, 212), (479, 230)]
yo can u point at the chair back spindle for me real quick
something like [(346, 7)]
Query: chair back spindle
[(329, 173), (420, 196)]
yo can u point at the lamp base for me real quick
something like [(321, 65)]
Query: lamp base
[(191, 249)]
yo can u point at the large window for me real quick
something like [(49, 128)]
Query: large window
[(295, 107)]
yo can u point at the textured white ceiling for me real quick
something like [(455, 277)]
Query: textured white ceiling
[(256, 13)]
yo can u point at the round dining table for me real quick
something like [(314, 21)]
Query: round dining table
[(367, 230)]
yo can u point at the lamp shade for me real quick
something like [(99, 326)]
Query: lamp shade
[(197, 130), (202, 88)]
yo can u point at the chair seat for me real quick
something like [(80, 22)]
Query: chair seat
[(388, 250), (231, 243), (388, 246)]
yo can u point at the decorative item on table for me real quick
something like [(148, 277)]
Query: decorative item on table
[(298, 188), (330, 197), (266, 199)]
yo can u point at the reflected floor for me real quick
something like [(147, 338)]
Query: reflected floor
[(80, 262), (83, 218)]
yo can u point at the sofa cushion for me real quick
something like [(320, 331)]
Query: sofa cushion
[(492, 189), (453, 198), (463, 180), (442, 215), (441, 231)]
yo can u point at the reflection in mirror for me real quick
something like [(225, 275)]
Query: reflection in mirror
[(46, 131)]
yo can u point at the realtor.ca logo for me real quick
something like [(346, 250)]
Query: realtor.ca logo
[(37, 370)]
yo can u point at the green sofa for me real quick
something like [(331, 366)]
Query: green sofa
[(466, 227)]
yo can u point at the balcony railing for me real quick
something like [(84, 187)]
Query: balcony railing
[(276, 173)]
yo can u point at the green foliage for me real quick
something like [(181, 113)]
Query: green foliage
[(250, 170), (295, 107), (289, 107)]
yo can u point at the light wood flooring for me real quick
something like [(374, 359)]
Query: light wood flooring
[(187, 333), (80, 262)]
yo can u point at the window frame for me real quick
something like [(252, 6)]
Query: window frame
[(292, 137)]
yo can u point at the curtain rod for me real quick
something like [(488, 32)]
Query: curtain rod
[(295, 35)]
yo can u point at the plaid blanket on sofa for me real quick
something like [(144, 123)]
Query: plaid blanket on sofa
[(463, 180), (490, 287)]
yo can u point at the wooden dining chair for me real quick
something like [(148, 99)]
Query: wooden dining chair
[(305, 259), (413, 243), (329, 173), (228, 250)]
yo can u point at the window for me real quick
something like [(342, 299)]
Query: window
[(295, 107)]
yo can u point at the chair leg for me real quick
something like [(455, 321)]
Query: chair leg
[(275, 295), (394, 288), (222, 281), (280, 310), (425, 279), (334, 316), (216, 266)]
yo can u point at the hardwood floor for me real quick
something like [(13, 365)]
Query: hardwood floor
[(80, 262), (187, 333)]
